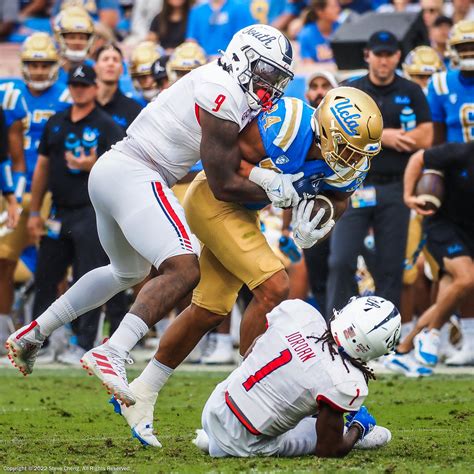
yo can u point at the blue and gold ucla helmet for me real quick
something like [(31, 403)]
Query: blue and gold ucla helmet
[(348, 127), (461, 45), (39, 48), (422, 61)]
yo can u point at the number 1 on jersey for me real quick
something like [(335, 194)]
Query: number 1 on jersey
[(283, 359), (219, 101)]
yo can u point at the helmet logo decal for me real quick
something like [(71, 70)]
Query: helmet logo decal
[(264, 38), (392, 315), (347, 120)]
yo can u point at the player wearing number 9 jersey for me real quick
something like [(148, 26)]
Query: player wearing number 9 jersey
[(234, 250), (140, 222), (451, 93), (299, 368)]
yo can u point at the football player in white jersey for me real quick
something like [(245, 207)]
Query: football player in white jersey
[(302, 367), (140, 221)]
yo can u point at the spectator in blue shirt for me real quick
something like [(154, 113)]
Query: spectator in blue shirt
[(320, 24), (213, 23), (104, 11)]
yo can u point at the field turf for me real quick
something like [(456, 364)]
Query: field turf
[(59, 421)]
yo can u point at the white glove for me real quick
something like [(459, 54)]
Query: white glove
[(305, 233), (279, 187)]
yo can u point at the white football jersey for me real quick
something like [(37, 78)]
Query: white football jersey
[(288, 373), (167, 134)]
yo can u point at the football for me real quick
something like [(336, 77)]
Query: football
[(323, 202), (430, 187)]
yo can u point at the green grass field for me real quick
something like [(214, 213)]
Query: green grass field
[(58, 421)]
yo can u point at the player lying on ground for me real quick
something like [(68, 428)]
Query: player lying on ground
[(332, 146), (300, 368), (139, 220)]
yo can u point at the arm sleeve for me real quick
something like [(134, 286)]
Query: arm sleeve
[(420, 105), (438, 113), (218, 101), (448, 155)]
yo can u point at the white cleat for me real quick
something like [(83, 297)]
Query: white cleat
[(107, 364), (407, 365), (426, 347), (377, 438), (23, 346), (140, 416)]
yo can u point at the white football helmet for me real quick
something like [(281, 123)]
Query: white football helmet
[(260, 58), (366, 328)]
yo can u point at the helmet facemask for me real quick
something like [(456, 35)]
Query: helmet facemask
[(345, 160), (462, 56), (263, 80), (45, 83), (74, 55)]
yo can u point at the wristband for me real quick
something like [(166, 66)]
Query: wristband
[(34, 214)]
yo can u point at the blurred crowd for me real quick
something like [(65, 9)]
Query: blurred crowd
[(102, 61)]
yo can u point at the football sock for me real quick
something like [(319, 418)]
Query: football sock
[(131, 330), (155, 375), (89, 292)]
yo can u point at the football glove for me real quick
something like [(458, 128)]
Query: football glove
[(279, 187), (304, 228), (363, 419)]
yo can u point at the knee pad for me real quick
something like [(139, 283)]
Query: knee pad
[(128, 281)]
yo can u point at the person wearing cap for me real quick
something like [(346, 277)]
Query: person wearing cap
[(71, 143), (379, 204), (318, 85), (109, 69)]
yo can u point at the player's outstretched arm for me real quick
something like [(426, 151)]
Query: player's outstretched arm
[(331, 440)]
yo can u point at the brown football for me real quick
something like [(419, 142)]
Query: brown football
[(430, 187), (324, 202)]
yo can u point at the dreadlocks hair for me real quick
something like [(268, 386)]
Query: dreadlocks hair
[(329, 341)]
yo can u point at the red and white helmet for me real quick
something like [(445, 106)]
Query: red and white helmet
[(366, 328), (260, 58)]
